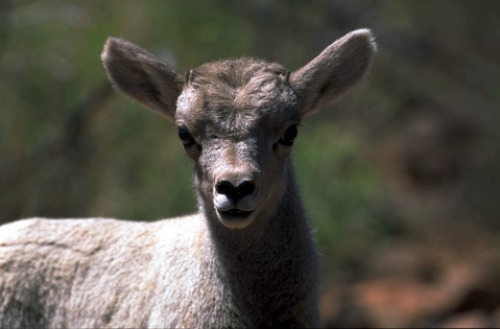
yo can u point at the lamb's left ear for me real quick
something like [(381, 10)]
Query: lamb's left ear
[(334, 71)]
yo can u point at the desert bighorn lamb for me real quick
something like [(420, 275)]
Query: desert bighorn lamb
[(246, 259)]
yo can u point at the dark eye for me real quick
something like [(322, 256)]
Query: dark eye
[(289, 136), (186, 137)]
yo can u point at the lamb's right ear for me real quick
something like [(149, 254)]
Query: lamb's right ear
[(142, 76)]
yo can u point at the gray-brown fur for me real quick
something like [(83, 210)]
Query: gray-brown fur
[(246, 259)]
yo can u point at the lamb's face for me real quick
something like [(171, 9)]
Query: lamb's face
[(237, 120)]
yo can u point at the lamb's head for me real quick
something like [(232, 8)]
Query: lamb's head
[(237, 119)]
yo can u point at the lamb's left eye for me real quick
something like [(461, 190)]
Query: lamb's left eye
[(289, 136)]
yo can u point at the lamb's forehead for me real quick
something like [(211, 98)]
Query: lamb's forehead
[(243, 86)]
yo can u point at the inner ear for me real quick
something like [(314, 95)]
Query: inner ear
[(334, 71)]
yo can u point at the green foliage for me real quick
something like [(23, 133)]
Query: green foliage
[(342, 190)]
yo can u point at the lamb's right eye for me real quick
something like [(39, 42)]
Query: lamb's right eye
[(186, 137)]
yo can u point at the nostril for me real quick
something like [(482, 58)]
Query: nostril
[(246, 188), (225, 187)]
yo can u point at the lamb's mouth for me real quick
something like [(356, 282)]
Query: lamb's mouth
[(235, 213), (235, 218)]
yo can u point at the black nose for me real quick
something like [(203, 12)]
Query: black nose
[(235, 193)]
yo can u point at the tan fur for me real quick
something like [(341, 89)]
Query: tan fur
[(246, 259)]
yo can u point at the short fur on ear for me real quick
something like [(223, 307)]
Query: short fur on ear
[(142, 76), (333, 71)]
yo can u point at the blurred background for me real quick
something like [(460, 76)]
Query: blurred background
[(401, 177)]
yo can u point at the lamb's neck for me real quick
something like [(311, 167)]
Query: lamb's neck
[(275, 265), (271, 238)]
